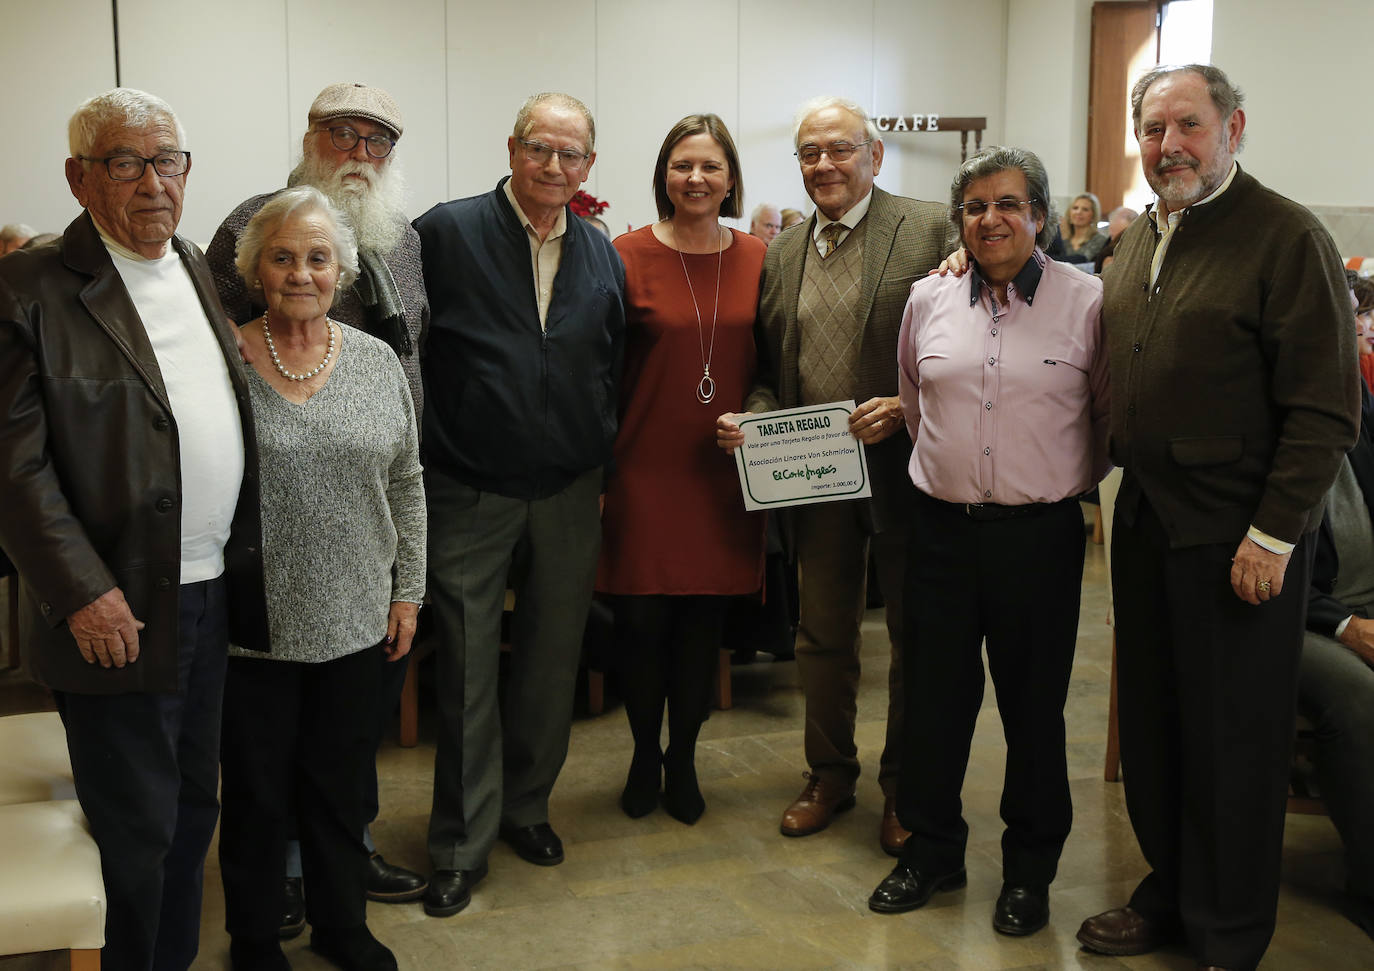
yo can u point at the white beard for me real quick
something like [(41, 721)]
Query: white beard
[(372, 203)]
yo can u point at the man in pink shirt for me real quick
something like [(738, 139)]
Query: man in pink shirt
[(1003, 384)]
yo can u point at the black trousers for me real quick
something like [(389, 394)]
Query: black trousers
[(297, 744), (1015, 583), (146, 768), (1207, 697)]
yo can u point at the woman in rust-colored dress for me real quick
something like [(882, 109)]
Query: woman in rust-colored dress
[(677, 542)]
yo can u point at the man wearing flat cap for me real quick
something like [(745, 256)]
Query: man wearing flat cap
[(348, 153)]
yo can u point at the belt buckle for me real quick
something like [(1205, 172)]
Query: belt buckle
[(970, 508)]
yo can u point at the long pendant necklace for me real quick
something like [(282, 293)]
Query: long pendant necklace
[(706, 387), (276, 361)]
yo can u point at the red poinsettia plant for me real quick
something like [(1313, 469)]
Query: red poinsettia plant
[(585, 204)]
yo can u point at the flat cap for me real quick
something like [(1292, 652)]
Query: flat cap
[(357, 100)]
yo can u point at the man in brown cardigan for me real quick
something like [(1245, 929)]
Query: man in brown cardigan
[(830, 305), (1234, 399)]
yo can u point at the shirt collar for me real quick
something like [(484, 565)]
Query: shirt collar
[(560, 225), (1025, 282), (849, 220), (1211, 197)]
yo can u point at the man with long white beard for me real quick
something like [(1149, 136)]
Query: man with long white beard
[(349, 155)]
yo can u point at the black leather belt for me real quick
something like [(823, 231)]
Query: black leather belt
[(989, 512)]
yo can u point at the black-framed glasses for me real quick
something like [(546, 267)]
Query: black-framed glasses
[(1007, 206), (130, 168), (345, 139), (838, 152), (541, 153)]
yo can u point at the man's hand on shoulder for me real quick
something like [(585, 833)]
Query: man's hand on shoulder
[(106, 630), (956, 263), (1256, 573), (1359, 637), (729, 436), (876, 419)]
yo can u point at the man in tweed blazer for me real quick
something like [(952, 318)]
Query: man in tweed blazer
[(830, 305)]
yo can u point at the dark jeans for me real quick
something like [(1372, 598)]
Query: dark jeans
[(297, 742), (1336, 692), (146, 768), (1016, 584), (1208, 696)]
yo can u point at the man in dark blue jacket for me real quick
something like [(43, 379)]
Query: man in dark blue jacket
[(526, 331), (1336, 677)]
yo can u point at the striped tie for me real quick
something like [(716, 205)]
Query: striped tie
[(830, 236)]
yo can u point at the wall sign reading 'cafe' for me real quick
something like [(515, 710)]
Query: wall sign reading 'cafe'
[(935, 123)]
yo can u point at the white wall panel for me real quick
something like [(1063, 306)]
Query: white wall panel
[(794, 50), (55, 56), (1305, 73), (401, 52), (1047, 87), (944, 58), (498, 55), (223, 69), (655, 65)]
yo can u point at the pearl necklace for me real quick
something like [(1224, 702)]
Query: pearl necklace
[(276, 361), (706, 387)]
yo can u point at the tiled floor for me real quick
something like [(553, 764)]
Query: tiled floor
[(730, 892)]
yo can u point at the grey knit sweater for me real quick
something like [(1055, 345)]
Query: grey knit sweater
[(343, 505)]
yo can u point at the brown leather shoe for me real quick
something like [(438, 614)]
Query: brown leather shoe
[(891, 836), (1120, 932), (817, 805)]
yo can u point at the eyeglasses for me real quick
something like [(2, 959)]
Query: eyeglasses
[(1007, 206), (810, 155), (345, 139), (129, 168), (541, 153)]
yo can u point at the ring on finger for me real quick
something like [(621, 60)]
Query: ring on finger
[(1263, 585)]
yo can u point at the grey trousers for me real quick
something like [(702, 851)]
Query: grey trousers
[(1336, 693), (497, 759), (832, 553)]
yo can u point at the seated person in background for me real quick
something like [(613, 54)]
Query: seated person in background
[(765, 222), (14, 236), (1082, 239), (1117, 221), (790, 217), (1362, 291), (1335, 679)]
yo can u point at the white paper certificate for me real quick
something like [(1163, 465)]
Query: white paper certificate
[(801, 455)]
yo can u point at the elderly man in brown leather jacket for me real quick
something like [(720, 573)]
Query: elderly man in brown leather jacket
[(129, 459)]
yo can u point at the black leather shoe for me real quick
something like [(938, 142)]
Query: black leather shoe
[(245, 955), (537, 844), (293, 909), (1022, 909), (449, 891), (352, 948), (391, 884), (905, 889)]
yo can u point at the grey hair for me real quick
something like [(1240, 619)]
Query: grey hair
[(996, 159), (303, 199), (124, 107), (758, 211), (524, 118), (16, 231), (1225, 95), (833, 101)]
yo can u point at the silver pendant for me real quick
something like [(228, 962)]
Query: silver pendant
[(706, 388)]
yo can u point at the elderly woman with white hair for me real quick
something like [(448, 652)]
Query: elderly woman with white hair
[(343, 514)]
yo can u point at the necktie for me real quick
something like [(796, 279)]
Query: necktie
[(830, 236)]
